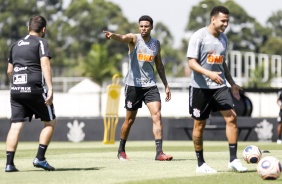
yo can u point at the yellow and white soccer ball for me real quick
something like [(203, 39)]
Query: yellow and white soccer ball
[(252, 154), (269, 168)]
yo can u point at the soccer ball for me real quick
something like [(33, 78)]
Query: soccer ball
[(269, 168), (252, 154)]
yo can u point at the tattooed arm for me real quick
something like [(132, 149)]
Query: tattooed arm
[(161, 72), (129, 38)]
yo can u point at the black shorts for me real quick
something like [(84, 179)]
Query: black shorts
[(279, 118), (134, 96), (24, 106), (203, 101)]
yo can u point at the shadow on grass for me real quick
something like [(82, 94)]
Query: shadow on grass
[(249, 171), (74, 169), (80, 169), (182, 159)]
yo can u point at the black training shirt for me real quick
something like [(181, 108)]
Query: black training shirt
[(25, 57)]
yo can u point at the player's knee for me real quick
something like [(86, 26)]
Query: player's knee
[(232, 119), (51, 123), (156, 115), (129, 121), (17, 126)]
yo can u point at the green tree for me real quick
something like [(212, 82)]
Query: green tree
[(82, 25), (200, 15), (171, 57), (273, 43), (14, 19), (274, 22), (272, 46), (257, 80), (85, 22), (98, 65)]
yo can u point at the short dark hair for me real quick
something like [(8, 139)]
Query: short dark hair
[(146, 18), (219, 9), (37, 23)]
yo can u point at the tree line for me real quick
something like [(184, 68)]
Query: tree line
[(78, 46)]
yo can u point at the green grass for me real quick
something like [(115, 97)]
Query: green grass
[(94, 162)]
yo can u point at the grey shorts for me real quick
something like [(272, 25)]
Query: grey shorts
[(24, 106), (134, 96)]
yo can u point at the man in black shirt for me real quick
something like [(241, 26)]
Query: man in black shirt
[(29, 71)]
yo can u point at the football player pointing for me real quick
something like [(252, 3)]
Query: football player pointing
[(144, 52)]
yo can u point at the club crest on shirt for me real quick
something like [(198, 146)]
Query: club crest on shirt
[(153, 47)]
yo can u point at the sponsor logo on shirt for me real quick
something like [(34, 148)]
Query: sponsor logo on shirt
[(20, 79), (21, 42), (21, 89), (211, 82), (142, 81), (145, 57), (17, 69), (215, 59)]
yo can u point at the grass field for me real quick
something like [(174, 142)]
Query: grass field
[(94, 162)]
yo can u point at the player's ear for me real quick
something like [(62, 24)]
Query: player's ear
[(213, 18)]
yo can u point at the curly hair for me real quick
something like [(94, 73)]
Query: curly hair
[(146, 18)]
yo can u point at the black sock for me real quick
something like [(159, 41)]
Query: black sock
[(233, 151), (159, 146), (200, 157), (41, 152), (121, 145), (10, 157)]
